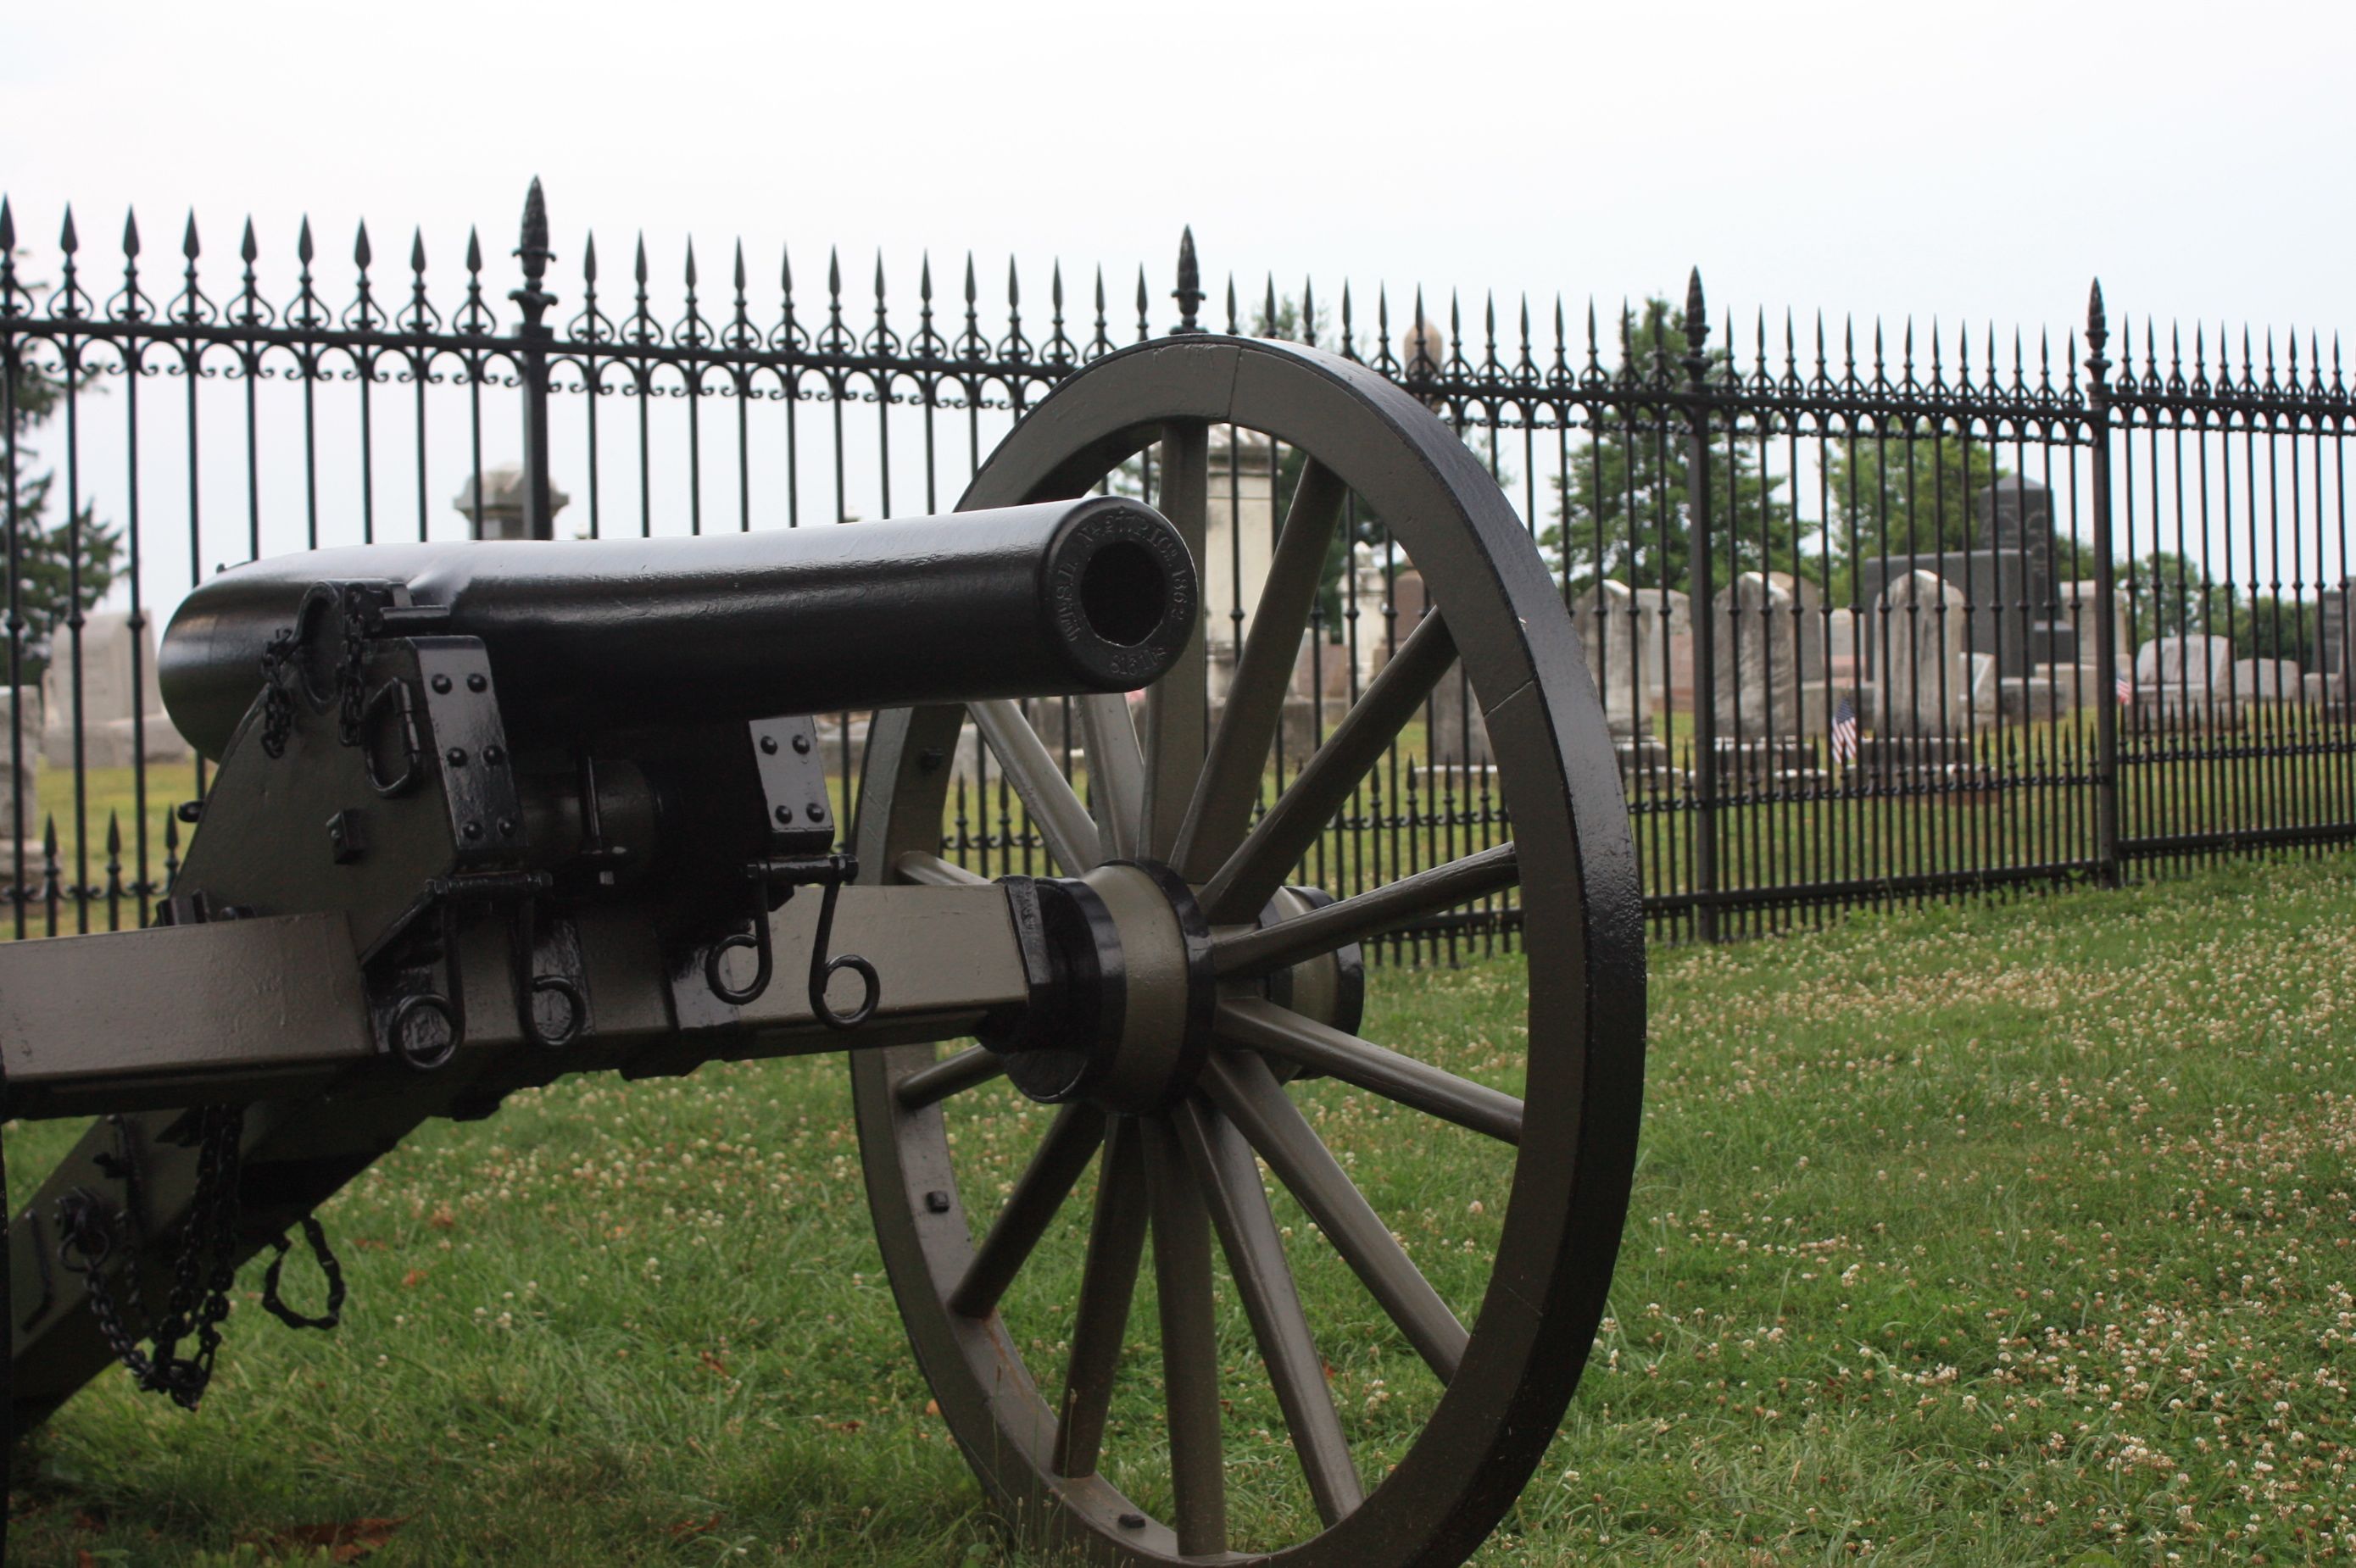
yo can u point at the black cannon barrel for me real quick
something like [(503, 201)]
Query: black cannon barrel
[(1096, 594)]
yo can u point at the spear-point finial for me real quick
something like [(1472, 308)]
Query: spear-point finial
[(304, 249), (7, 226), (247, 250), (834, 272), (531, 242), (131, 234), (474, 250), (417, 251), (2098, 333), (1189, 292), (691, 263), (1696, 313), (738, 276), (589, 258), (532, 250), (1014, 285), (362, 252), (638, 267)]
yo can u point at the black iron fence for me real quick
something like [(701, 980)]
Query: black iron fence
[(1876, 617)]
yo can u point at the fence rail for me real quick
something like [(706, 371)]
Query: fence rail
[(1877, 615)]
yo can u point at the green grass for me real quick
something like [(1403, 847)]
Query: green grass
[(1983, 1234)]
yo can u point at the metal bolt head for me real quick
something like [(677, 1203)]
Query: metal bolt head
[(1132, 1521), (802, 746), (817, 812), (768, 745), (472, 830), (478, 683), (455, 756), (784, 814), (442, 683), (506, 827), (494, 755), (937, 1201)]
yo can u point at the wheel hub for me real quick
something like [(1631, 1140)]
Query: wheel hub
[(1121, 992)]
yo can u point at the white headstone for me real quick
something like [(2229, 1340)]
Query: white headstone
[(1925, 688), (1769, 660), (2265, 680), (2186, 680), (1616, 636), (107, 699), (2080, 611), (20, 763), (1672, 613)]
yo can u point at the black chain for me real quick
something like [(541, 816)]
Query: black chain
[(351, 678), (279, 677), (329, 1269), (277, 702), (202, 1274)]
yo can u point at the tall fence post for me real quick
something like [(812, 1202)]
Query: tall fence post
[(531, 364), (1698, 553), (2106, 645)]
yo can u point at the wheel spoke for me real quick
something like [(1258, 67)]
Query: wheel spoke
[(1190, 1344), (1065, 1151), (1258, 1025), (1116, 1244), (1177, 706), (1242, 1087), (1368, 914), (915, 866), (1065, 823), (951, 1075), (1223, 1164), (1230, 782), (1116, 768), (1278, 839)]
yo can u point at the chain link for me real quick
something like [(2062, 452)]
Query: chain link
[(279, 677), (203, 1271)]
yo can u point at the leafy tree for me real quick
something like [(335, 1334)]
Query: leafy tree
[(2169, 596), (2269, 627), (1623, 511), (46, 554)]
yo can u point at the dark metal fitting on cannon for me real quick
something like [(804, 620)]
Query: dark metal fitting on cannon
[(788, 873), (522, 891)]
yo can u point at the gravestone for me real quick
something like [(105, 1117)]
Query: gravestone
[(20, 763), (108, 698), (1616, 637), (1926, 687), (2013, 619), (2078, 607), (2333, 610), (1768, 666), (1671, 651), (2265, 680), (2185, 680)]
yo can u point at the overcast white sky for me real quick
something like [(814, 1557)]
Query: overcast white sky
[(1976, 162)]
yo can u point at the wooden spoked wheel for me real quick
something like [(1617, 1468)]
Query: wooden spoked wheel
[(1201, 1360)]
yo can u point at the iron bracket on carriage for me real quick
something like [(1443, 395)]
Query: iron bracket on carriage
[(488, 814)]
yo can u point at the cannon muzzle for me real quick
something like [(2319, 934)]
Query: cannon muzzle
[(592, 636)]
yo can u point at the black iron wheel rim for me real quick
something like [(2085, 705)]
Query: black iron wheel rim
[(1581, 924)]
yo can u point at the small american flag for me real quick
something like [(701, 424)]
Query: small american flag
[(1844, 732)]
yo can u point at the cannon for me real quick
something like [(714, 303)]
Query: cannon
[(489, 814)]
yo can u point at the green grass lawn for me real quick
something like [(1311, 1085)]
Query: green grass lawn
[(1991, 1234)]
